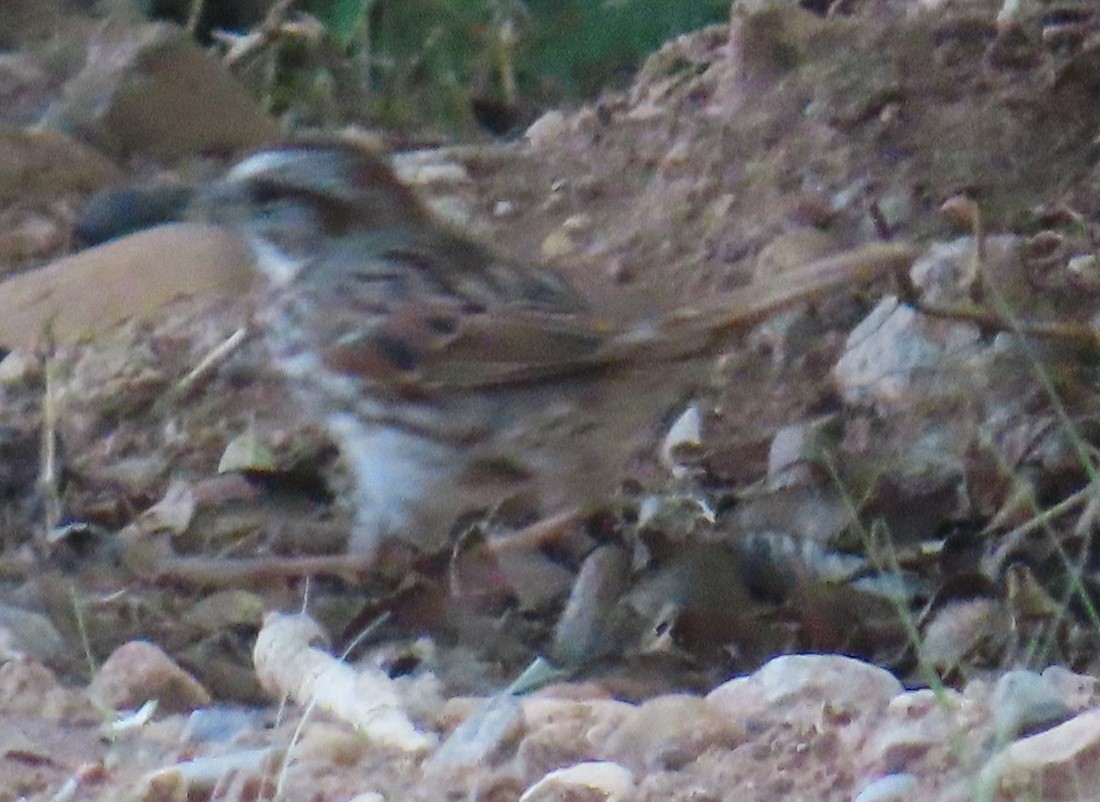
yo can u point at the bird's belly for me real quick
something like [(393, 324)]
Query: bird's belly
[(418, 466), (419, 471), (399, 479)]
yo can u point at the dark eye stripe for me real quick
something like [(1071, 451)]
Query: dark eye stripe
[(396, 352), (425, 267), (264, 192), (443, 324)]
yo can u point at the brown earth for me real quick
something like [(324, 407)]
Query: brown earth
[(737, 151)]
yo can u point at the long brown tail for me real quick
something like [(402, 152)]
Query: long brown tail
[(699, 326)]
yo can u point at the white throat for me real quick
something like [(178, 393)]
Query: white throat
[(279, 267)]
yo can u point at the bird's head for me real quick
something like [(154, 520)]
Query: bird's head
[(293, 195), (337, 206)]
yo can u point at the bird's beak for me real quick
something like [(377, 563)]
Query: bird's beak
[(224, 202)]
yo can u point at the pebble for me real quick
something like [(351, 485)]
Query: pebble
[(34, 236), (139, 671), (1058, 764), (799, 683), (498, 722), (669, 732), (218, 724), (152, 108), (29, 633), (789, 454), (891, 348), (547, 128), (915, 723), (1023, 703), (557, 243), (612, 780), (891, 788), (685, 436)]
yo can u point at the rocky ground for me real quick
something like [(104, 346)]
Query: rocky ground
[(867, 575)]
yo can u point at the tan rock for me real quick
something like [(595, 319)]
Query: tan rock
[(797, 685), (557, 244), (919, 726), (1060, 764), (29, 688), (46, 164), (139, 671), (80, 296), (548, 128), (669, 732), (30, 236), (596, 781), (150, 90)]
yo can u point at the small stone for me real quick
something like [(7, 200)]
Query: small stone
[(577, 223), (152, 107), (218, 724), (669, 732), (750, 7), (1084, 270), (619, 271), (139, 671), (561, 732), (787, 465), (1078, 690), (30, 633), (609, 780), (677, 156), (132, 278), (498, 722), (557, 243), (32, 237), (225, 610), (916, 723), (28, 688), (684, 437), (162, 786), (547, 128), (435, 173), (19, 366), (891, 788), (1054, 765), (793, 680), (961, 211), (1023, 703), (330, 742), (892, 347), (36, 163), (962, 628), (247, 452), (718, 210)]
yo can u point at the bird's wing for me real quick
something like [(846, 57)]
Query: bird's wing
[(423, 349), (419, 348)]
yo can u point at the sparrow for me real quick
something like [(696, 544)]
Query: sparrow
[(453, 378)]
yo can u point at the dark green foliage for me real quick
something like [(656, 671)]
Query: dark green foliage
[(432, 61), (585, 46), (451, 64)]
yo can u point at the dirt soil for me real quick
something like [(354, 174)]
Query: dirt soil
[(738, 151)]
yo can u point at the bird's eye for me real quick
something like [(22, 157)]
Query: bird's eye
[(264, 192)]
